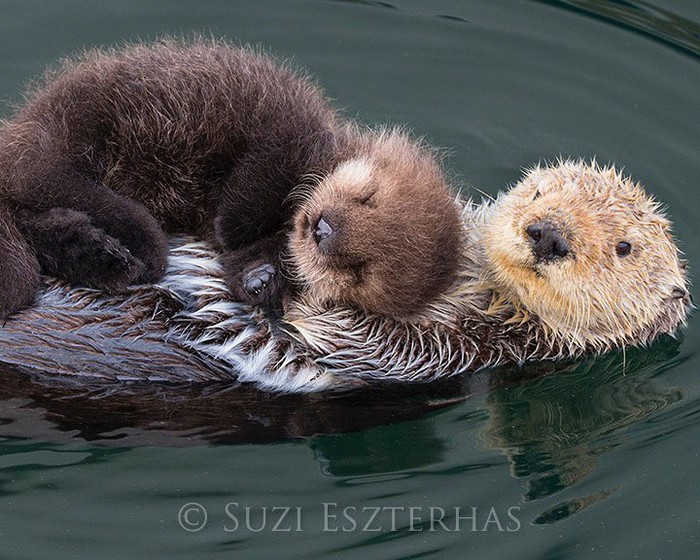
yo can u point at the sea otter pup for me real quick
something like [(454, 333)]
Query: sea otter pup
[(521, 295), (118, 147)]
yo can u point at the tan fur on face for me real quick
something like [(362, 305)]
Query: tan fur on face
[(397, 228), (592, 296)]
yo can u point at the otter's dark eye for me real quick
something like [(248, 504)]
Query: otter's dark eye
[(623, 249), (537, 194)]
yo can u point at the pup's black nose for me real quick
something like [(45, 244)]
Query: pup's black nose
[(322, 230), (548, 244)]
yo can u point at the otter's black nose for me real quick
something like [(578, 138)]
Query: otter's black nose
[(322, 230), (548, 243)]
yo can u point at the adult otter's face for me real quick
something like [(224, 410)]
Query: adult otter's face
[(382, 232), (591, 254)]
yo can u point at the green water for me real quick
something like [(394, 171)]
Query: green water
[(597, 460)]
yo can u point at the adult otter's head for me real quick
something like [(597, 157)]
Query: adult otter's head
[(590, 253), (382, 231)]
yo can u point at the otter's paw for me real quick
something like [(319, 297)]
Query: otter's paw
[(104, 263), (258, 279), (70, 247), (256, 285)]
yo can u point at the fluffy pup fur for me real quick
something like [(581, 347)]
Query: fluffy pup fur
[(117, 147)]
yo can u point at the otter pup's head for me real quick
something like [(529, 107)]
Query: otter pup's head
[(590, 253), (382, 232)]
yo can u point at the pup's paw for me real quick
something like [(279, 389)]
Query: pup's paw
[(100, 261), (256, 285), (70, 247), (259, 279)]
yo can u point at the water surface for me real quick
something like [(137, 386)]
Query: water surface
[(590, 460)]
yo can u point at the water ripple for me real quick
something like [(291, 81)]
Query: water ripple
[(642, 18)]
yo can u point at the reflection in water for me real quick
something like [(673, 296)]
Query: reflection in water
[(569, 507), (552, 420), (391, 449), (197, 414), (555, 429)]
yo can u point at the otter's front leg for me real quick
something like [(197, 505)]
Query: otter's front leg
[(255, 273), (19, 269), (87, 234), (249, 228), (69, 246)]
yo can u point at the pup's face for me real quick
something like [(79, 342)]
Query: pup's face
[(382, 232), (591, 254)]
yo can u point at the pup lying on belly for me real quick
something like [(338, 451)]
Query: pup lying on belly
[(118, 148)]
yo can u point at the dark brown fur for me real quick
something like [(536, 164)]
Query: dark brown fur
[(117, 147)]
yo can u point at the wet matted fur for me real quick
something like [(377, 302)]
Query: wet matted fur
[(187, 329)]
